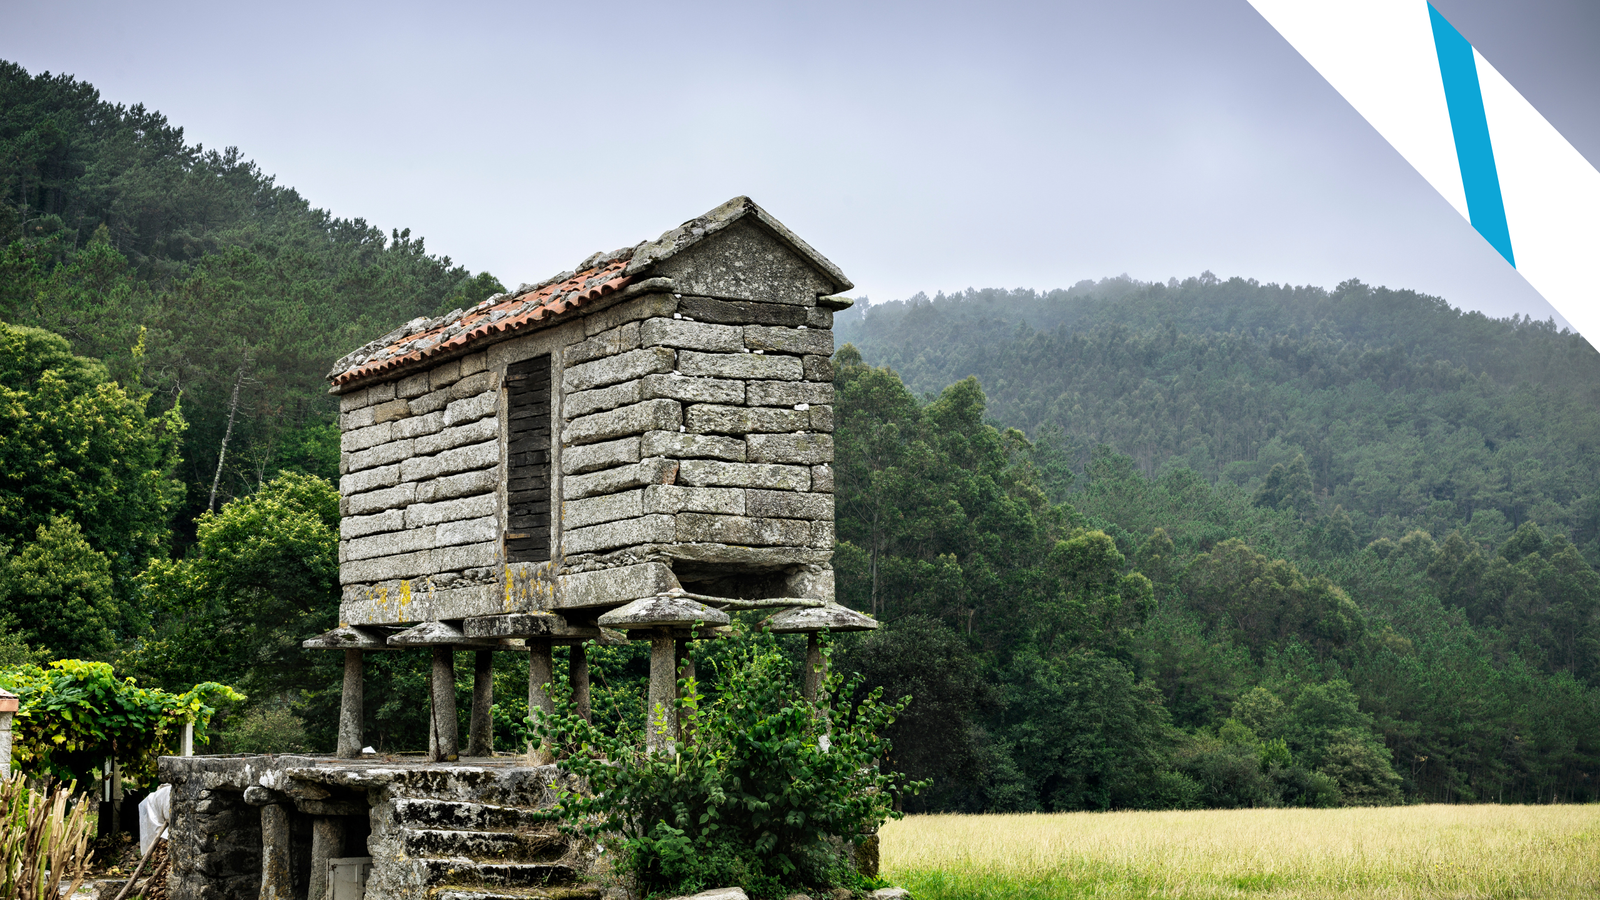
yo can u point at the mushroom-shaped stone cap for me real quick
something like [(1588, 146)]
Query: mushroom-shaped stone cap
[(818, 618), (431, 634), (666, 609), (346, 637), (9, 702)]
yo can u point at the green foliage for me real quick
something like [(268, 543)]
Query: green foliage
[(74, 446), (757, 792), (60, 591), (76, 714), (265, 729)]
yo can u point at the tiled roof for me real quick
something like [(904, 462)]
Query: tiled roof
[(598, 276)]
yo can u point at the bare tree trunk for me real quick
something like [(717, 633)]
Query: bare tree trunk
[(227, 435)]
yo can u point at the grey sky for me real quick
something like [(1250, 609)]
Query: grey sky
[(922, 146)]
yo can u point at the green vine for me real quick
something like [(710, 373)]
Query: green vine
[(73, 714)]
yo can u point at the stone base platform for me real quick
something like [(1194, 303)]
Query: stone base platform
[(251, 827)]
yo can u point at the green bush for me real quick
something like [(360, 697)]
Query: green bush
[(769, 791), (269, 729)]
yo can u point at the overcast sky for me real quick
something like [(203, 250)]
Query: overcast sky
[(922, 146)]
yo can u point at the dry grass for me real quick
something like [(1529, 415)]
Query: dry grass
[(1396, 852)]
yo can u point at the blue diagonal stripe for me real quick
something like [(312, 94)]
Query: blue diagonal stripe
[(1464, 97)]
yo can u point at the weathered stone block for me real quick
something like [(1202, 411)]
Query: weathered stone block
[(457, 436), (692, 390), (380, 500), (799, 341), (679, 445), (417, 426), (607, 343), (370, 479), (466, 484), (624, 533), (383, 568), (472, 385), (391, 543), (822, 419), (595, 510), (709, 473), (822, 535), (746, 366), (381, 455), (358, 418), (705, 418), (583, 403), (741, 312), (353, 401), (360, 526), (610, 481), (648, 306), (362, 438), (433, 401), (703, 528), (672, 499), (819, 317), (465, 556), (418, 515), (622, 367), (413, 386), (788, 393), (688, 335), (461, 459), (471, 365), (822, 479), (612, 587), (593, 457), (818, 368), (469, 409), (793, 449), (444, 375), (467, 531), (651, 415), (787, 505), (380, 392)]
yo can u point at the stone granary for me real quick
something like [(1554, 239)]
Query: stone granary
[(640, 445)]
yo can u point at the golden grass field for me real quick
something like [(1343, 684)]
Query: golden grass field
[(1394, 852)]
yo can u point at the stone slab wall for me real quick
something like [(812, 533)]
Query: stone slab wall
[(692, 431)]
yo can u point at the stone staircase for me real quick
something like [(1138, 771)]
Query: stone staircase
[(467, 834)]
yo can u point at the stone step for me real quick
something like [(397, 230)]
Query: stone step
[(568, 892), (463, 873), (463, 816), (503, 785), (521, 846)]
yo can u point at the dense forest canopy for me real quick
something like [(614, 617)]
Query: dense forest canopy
[(1197, 544)]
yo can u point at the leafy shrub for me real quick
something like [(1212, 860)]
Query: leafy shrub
[(73, 714), (766, 792), (270, 729)]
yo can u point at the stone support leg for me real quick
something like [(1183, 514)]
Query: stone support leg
[(444, 733), (579, 674), (327, 842), (661, 717), (350, 706), (816, 668), (480, 731), (277, 870), (541, 673)]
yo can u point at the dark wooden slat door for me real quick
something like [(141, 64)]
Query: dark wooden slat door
[(528, 461)]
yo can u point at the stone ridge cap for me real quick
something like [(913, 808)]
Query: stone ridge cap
[(600, 275)]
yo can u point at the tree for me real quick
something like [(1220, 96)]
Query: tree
[(61, 593)]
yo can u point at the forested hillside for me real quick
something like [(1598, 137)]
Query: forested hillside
[(196, 278), (1409, 413), (1196, 544)]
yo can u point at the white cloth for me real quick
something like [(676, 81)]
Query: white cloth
[(154, 811)]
